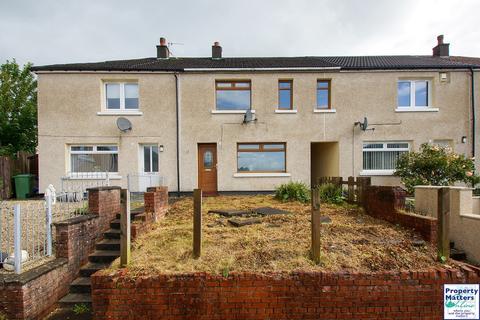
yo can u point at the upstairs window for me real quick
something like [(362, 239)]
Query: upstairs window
[(88, 158), (121, 96), (233, 95), (285, 94), (323, 94), (413, 93), (383, 156)]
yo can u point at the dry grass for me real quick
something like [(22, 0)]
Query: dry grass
[(353, 241)]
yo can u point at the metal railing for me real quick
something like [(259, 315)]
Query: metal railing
[(26, 231), (27, 227), (72, 199), (138, 184)]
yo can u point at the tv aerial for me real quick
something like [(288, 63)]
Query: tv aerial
[(124, 125)]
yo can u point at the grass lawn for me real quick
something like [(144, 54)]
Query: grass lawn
[(353, 241)]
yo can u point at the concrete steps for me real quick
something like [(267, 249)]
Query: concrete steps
[(105, 252)]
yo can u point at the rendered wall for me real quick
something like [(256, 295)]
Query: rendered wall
[(68, 106)]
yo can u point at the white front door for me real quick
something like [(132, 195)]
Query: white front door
[(149, 166)]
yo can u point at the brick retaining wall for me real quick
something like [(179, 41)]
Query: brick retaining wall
[(384, 203), (34, 293), (156, 206), (299, 295)]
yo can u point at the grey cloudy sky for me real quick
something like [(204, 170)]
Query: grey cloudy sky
[(62, 31)]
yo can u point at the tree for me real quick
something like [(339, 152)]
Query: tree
[(18, 109), (435, 165)]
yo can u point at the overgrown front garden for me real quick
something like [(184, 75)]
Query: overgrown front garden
[(351, 240)]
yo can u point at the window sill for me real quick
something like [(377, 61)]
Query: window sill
[(120, 113), (416, 109), (261, 174), (230, 111), (110, 177), (286, 111), (377, 172), (324, 110)]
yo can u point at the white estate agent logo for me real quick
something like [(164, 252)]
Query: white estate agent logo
[(461, 301)]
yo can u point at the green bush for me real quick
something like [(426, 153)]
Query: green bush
[(330, 193), (435, 165), (80, 309), (293, 191)]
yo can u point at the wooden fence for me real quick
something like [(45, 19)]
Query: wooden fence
[(23, 162), (355, 186)]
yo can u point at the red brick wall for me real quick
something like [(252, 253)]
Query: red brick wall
[(104, 201), (383, 203), (156, 206), (299, 295), (156, 201), (34, 293)]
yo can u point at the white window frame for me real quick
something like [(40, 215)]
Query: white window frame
[(122, 110), (412, 106), (381, 172), (84, 175), (142, 158)]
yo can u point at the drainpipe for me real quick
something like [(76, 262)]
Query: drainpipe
[(177, 113), (472, 73)]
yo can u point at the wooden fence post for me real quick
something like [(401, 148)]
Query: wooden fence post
[(197, 223), (443, 207), (316, 224), (351, 189), (124, 227)]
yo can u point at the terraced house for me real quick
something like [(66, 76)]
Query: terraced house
[(249, 124)]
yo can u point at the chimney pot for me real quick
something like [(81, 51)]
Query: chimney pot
[(216, 50), (440, 39), (162, 49)]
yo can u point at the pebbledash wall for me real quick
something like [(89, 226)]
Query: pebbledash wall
[(300, 295), (34, 293)]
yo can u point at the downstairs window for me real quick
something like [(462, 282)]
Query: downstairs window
[(101, 158), (381, 157), (261, 157)]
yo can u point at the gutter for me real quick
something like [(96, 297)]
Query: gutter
[(472, 82), (177, 115)]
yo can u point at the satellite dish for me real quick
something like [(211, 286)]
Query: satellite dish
[(249, 116), (124, 124), (364, 125)]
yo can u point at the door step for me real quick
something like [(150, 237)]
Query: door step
[(92, 267), (103, 256), (112, 234), (81, 285), (72, 299), (108, 244)]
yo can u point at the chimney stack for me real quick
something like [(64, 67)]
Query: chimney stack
[(216, 50), (441, 49), (162, 49)]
